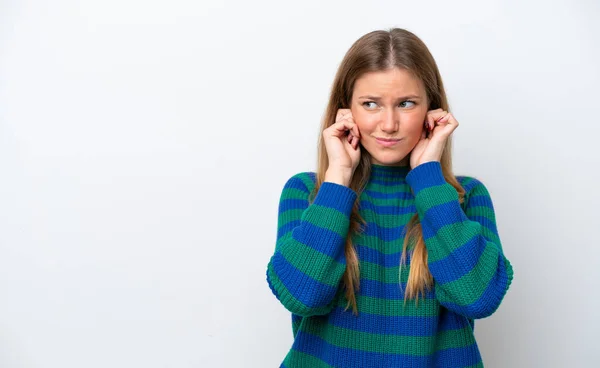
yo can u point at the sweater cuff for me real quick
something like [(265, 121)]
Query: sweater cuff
[(336, 196), (425, 175)]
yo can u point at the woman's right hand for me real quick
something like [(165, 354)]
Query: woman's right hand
[(342, 143)]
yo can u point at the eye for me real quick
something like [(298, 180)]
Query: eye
[(402, 104)]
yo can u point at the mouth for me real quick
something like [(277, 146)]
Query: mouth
[(387, 142)]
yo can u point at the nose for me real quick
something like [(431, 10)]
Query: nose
[(390, 121)]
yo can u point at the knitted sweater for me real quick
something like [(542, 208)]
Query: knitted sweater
[(465, 257)]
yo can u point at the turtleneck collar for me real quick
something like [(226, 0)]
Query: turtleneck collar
[(389, 174)]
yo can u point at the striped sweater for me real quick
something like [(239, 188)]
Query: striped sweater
[(465, 257)]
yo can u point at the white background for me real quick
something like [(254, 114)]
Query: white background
[(144, 146)]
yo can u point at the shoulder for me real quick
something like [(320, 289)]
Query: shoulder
[(469, 182), (474, 187), (304, 181)]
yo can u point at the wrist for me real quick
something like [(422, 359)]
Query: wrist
[(341, 177)]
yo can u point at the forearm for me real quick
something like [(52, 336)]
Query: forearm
[(309, 261), (465, 257)]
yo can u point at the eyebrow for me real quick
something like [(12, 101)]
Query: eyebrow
[(399, 98)]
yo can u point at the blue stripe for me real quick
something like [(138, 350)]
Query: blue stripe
[(322, 240), (452, 321), (296, 183), (489, 300), (486, 222), (389, 182), (480, 200), (460, 357), (459, 262), (425, 175), (468, 187), (284, 229), (396, 325), (389, 291), (336, 196), (401, 194), (386, 209), (366, 254), (384, 233), (441, 215), (292, 204), (296, 318), (333, 355)]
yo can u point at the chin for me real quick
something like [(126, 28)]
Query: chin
[(388, 160)]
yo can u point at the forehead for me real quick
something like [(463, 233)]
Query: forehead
[(391, 83)]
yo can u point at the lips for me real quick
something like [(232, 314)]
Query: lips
[(387, 142)]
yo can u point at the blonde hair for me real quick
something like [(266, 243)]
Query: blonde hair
[(379, 51)]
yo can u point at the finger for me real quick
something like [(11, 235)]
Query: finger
[(340, 117), (351, 141), (341, 127), (437, 113), (350, 118), (354, 129), (449, 119), (433, 117), (430, 122), (342, 114)]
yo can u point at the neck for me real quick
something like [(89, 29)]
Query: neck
[(389, 174)]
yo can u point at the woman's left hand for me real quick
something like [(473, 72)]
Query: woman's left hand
[(440, 124)]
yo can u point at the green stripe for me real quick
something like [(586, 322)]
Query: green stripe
[(458, 338), (293, 193), (434, 196), (297, 359), (385, 221), (373, 271), (311, 262), (388, 343), (470, 287), (464, 180), (289, 301), (388, 188), (450, 237), (328, 218), (384, 247), (307, 180), (289, 215)]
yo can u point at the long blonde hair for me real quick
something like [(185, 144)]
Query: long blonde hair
[(379, 51)]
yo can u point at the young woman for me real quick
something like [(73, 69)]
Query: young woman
[(384, 227)]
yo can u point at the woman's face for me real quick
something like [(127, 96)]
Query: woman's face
[(392, 105)]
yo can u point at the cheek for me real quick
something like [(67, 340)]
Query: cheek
[(417, 124), (365, 122)]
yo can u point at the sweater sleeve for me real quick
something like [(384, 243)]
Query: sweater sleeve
[(465, 257), (309, 259)]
